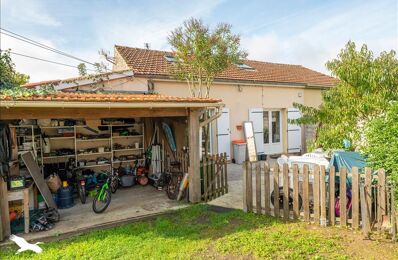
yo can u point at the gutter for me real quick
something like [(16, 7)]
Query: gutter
[(109, 105)]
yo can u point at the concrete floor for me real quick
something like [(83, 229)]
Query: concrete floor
[(126, 204)]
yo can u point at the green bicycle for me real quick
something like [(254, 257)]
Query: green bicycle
[(103, 198)]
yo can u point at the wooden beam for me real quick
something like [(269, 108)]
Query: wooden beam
[(88, 113), (194, 156)]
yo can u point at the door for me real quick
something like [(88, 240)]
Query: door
[(272, 121), (224, 133), (256, 117), (293, 132)]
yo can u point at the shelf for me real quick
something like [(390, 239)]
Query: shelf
[(87, 154), (49, 127), (129, 149), (60, 137), (94, 139), (58, 156), (127, 136), (124, 161), (95, 165)]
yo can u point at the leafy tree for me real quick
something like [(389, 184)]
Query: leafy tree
[(382, 141), (366, 84), (9, 77), (82, 69), (200, 54)]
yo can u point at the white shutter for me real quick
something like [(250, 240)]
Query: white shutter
[(224, 133), (293, 132), (256, 117)]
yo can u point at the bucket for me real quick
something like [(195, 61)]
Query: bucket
[(65, 197)]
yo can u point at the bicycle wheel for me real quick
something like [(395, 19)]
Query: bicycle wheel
[(82, 193), (172, 188), (100, 204), (114, 185)]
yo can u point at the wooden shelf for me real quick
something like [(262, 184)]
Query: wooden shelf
[(129, 149), (124, 161), (49, 127), (127, 136), (58, 156), (94, 139), (61, 137), (95, 165), (87, 154)]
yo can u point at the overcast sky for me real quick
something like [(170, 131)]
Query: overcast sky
[(296, 32)]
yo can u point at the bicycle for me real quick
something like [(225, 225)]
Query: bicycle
[(177, 185), (103, 198)]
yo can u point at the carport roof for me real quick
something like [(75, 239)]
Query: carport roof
[(119, 99)]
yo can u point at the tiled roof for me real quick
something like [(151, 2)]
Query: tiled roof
[(105, 97), (152, 62)]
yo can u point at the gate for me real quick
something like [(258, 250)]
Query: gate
[(360, 200), (214, 176)]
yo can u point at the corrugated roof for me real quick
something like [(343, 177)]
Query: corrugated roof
[(152, 62), (111, 97)]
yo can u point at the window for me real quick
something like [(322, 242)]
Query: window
[(276, 126), (245, 67), (266, 127), (170, 58)]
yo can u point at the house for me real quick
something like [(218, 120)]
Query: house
[(261, 92), (256, 91)]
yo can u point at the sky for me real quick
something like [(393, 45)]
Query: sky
[(305, 32)]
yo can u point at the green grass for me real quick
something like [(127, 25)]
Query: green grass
[(195, 232)]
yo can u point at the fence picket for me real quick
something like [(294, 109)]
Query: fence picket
[(258, 188), (275, 174), (218, 172), (205, 179), (315, 193), (368, 191), (249, 188), (296, 206), (225, 173), (221, 163), (267, 191), (355, 198), (332, 192), (244, 186), (286, 212), (382, 197), (213, 174), (343, 197), (306, 202), (322, 184)]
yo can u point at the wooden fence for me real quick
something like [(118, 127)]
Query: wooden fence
[(214, 176), (319, 197)]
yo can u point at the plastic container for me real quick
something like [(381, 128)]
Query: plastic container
[(127, 180), (239, 151), (65, 197)]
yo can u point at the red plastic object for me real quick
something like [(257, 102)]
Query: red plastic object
[(238, 142)]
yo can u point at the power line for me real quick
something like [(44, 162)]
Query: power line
[(40, 59), (41, 45)]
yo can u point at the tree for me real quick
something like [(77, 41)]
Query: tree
[(9, 77), (364, 89), (82, 69), (200, 54)]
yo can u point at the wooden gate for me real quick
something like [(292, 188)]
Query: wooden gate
[(360, 200), (214, 176)]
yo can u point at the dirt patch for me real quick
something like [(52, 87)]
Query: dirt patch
[(357, 247)]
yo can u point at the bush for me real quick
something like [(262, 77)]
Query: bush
[(382, 142)]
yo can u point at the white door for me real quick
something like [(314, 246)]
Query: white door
[(224, 133), (293, 132), (256, 117), (272, 121)]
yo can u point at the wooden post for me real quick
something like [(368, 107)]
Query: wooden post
[(267, 191), (244, 188), (225, 172), (343, 197), (382, 197), (286, 211), (249, 191), (364, 212), (258, 188), (368, 191), (5, 217), (306, 201), (315, 193), (205, 180), (194, 156), (26, 209), (393, 215), (332, 199), (222, 182), (355, 198), (322, 183), (275, 174), (296, 206), (213, 177), (218, 175)]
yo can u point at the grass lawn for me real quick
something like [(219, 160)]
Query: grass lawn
[(201, 231)]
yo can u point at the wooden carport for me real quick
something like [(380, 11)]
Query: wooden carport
[(100, 105)]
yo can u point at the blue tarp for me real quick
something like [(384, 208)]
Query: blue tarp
[(348, 160)]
